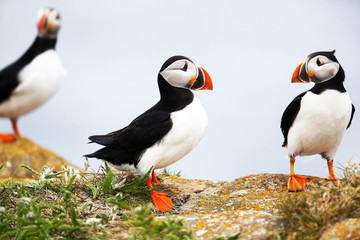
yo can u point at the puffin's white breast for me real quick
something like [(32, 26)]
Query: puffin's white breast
[(189, 125), (39, 80), (320, 124)]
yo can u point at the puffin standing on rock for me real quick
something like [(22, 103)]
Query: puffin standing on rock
[(35, 76), (315, 121), (166, 132)]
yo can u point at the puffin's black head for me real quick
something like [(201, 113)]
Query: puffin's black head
[(48, 22), (318, 67), (180, 71)]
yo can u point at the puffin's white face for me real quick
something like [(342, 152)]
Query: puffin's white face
[(322, 69), (48, 22), (318, 67), (181, 73)]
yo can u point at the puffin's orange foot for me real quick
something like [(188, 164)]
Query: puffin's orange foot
[(162, 201), (7, 137), (297, 182), (331, 178)]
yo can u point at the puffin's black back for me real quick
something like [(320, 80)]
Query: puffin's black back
[(127, 145), (9, 75)]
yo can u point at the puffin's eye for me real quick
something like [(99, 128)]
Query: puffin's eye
[(185, 67), (318, 62)]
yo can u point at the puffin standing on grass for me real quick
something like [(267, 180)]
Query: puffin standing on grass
[(35, 76), (315, 121), (166, 132)]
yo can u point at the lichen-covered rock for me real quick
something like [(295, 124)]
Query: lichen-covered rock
[(348, 229), (246, 204), (222, 209), (24, 151)]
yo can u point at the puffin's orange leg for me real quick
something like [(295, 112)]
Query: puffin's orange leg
[(15, 127), (8, 137), (331, 171), (155, 182), (161, 201), (296, 182), (154, 179)]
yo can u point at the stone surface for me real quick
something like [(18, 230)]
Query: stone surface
[(222, 209), (246, 204), (24, 151), (348, 229)]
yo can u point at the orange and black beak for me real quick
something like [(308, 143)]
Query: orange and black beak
[(43, 23), (202, 80), (301, 74)]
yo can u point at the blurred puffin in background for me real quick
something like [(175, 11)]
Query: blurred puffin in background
[(166, 132), (35, 76), (315, 121)]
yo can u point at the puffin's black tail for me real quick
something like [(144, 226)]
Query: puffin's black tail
[(115, 156), (105, 153), (90, 155), (105, 140)]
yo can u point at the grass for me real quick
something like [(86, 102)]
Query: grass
[(100, 205), (307, 214), (148, 227), (104, 205), (66, 205)]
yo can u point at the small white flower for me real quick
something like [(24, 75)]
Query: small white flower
[(25, 200), (93, 221), (2, 210), (30, 215), (119, 195), (48, 171)]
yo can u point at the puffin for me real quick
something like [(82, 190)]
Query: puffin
[(315, 121), (31, 80), (166, 132)]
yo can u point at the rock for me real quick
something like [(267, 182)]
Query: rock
[(24, 151), (347, 229), (248, 204), (223, 209)]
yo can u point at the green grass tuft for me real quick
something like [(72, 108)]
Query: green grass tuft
[(148, 227), (64, 205)]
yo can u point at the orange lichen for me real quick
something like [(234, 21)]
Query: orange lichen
[(24, 151)]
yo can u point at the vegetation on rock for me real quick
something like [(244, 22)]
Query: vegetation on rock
[(65, 205), (106, 205), (307, 214)]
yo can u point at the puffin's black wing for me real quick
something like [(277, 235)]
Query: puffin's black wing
[(8, 81), (289, 116), (141, 133), (352, 115)]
